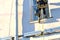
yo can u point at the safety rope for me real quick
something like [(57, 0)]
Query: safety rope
[(43, 29), (42, 24)]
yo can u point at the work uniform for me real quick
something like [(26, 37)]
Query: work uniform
[(41, 4)]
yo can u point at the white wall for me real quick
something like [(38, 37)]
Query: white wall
[(7, 27), (20, 13)]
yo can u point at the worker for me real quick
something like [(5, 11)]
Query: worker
[(41, 4)]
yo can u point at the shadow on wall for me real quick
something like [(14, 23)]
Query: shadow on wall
[(56, 15), (57, 4), (27, 27)]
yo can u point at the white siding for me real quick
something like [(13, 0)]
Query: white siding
[(5, 12)]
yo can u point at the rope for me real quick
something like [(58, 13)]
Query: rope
[(43, 30), (10, 16), (42, 24)]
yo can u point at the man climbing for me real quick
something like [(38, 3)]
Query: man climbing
[(41, 4)]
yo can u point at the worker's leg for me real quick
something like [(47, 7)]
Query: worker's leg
[(44, 12), (38, 12)]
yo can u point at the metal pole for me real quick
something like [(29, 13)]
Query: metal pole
[(16, 28)]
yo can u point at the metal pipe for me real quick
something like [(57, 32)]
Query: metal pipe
[(16, 27)]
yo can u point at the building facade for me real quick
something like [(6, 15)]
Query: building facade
[(29, 28)]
